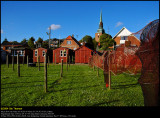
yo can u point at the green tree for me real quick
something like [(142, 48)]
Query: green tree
[(45, 44), (24, 40), (95, 43), (31, 42), (106, 41), (5, 41), (40, 40), (88, 40)]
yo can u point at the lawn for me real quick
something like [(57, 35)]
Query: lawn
[(79, 86)]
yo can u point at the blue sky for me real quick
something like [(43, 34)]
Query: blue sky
[(24, 19)]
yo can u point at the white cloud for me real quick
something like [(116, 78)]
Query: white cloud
[(119, 24), (55, 27), (1, 31)]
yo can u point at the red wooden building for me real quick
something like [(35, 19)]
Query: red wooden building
[(39, 52), (62, 53), (82, 54)]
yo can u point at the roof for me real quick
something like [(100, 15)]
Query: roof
[(124, 32), (72, 38)]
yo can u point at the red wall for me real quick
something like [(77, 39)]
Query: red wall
[(82, 55), (40, 50), (58, 57)]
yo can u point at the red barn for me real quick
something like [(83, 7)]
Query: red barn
[(62, 53), (39, 52), (82, 54)]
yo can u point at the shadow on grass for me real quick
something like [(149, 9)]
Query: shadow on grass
[(125, 86), (98, 104), (74, 88), (21, 86)]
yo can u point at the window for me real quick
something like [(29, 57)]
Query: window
[(43, 53), (124, 38), (61, 53), (35, 53), (68, 42), (21, 52), (15, 52), (64, 53)]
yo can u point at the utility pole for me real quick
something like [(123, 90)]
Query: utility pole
[(49, 35)]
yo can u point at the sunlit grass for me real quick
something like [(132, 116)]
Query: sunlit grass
[(79, 86)]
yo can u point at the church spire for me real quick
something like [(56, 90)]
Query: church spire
[(101, 16), (100, 29)]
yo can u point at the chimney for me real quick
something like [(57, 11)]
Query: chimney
[(72, 35)]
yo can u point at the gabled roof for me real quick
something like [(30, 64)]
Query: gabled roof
[(124, 31), (72, 38)]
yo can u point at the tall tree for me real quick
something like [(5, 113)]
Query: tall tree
[(106, 41), (5, 41), (88, 40), (24, 40), (31, 42), (95, 43), (40, 40)]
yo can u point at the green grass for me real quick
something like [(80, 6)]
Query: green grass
[(79, 86)]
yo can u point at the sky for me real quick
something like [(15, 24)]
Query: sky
[(26, 19)]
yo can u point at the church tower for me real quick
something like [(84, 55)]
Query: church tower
[(100, 30)]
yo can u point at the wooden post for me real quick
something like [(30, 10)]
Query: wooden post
[(67, 61), (18, 65), (109, 72), (23, 59), (45, 74), (48, 61), (93, 67), (27, 61), (38, 63), (13, 62), (61, 73)]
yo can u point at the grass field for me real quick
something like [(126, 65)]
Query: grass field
[(79, 86)]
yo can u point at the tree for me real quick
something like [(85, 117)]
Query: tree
[(88, 40), (40, 40), (31, 42), (5, 41), (24, 40), (95, 43), (106, 41), (45, 44)]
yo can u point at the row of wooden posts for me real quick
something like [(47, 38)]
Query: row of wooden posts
[(45, 67), (107, 75)]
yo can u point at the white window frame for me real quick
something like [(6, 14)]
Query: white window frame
[(68, 43), (43, 53), (35, 53)]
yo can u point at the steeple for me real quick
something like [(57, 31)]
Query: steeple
[(100, 29), (101, 16)]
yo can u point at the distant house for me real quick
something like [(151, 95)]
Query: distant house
[(39, 52), (71, 43), (55, 43), (62, 53), (82, 54), (23, 52), (125, 35), (7, 46)]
